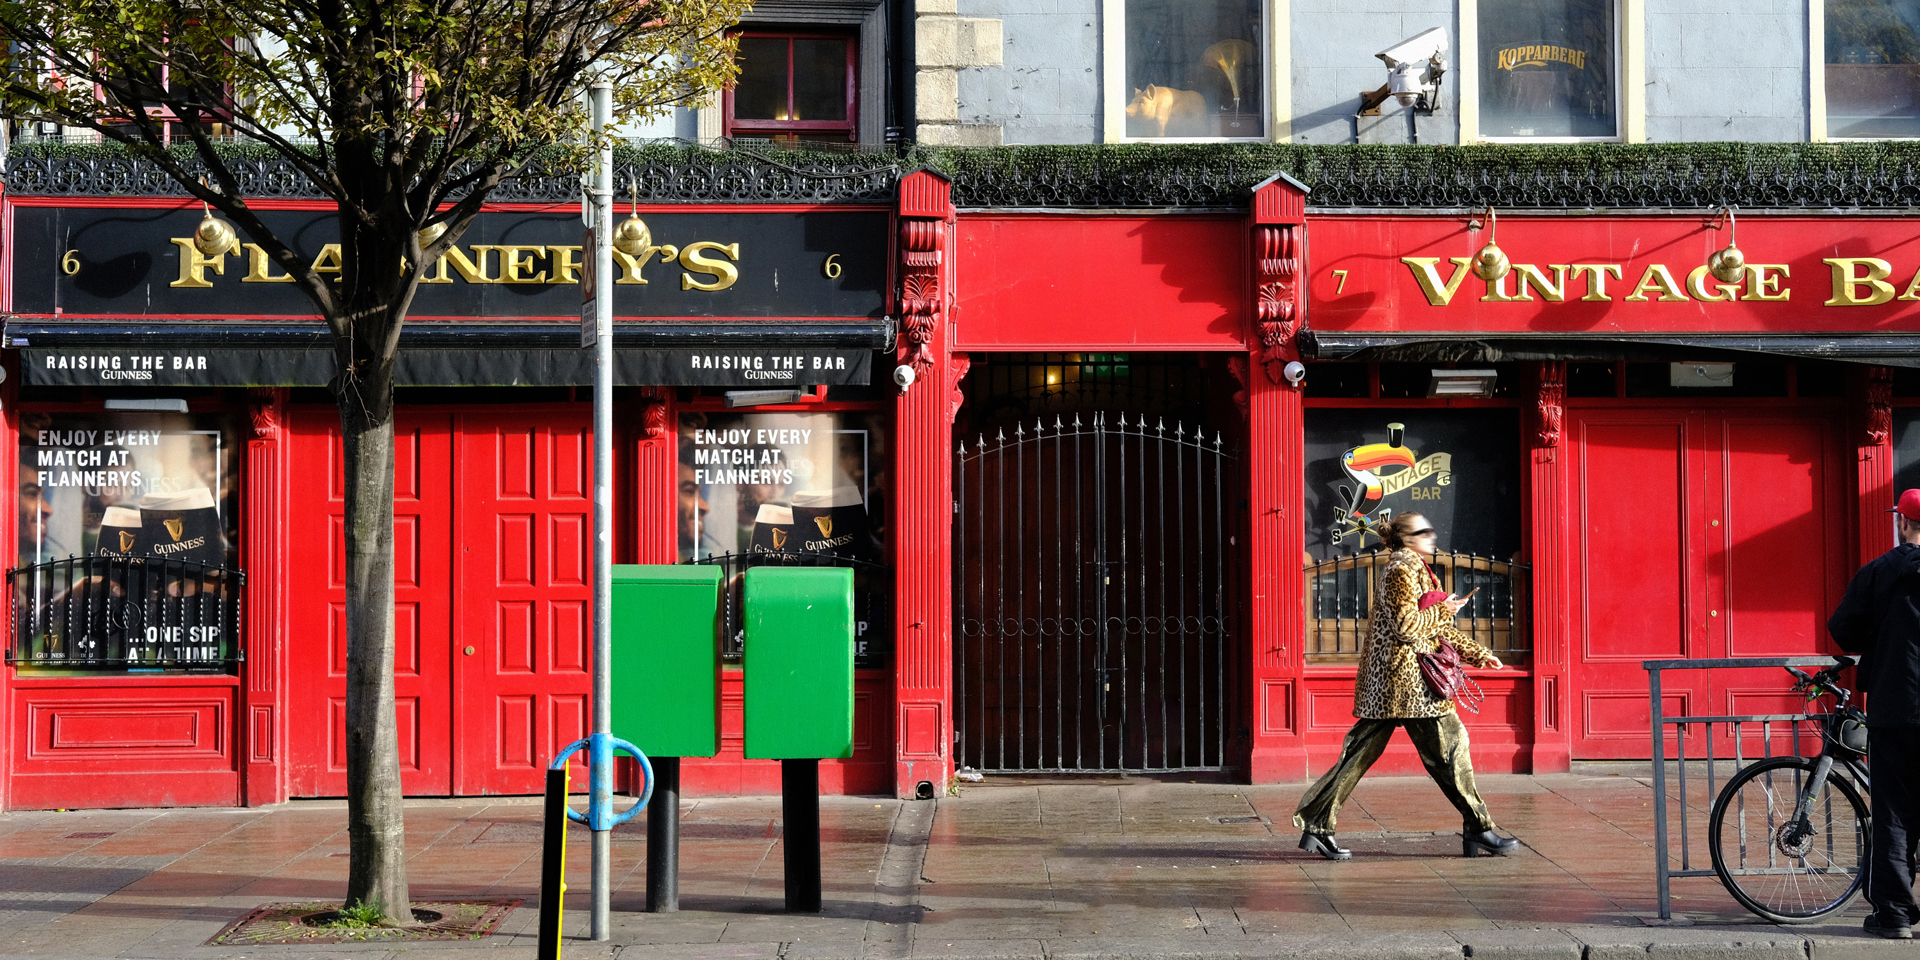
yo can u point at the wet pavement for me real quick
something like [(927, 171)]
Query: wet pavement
[(1007, 869)]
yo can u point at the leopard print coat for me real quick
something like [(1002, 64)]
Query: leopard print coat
[(1389, 685)]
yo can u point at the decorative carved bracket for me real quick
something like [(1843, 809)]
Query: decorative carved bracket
[(1275, 304), (926, 207), (1552, 402), (653, 414), (1879, 405), (265, 412)]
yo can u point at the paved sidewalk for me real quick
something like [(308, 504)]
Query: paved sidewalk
[(1009, 869)]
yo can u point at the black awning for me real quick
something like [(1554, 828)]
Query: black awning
[(763, 353), (1883, 349)]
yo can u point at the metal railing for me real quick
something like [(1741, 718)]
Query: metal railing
[(1341, 592), (872, 585), (126, 613), (1664, 873)]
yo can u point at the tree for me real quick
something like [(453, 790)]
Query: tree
[(406, 113)]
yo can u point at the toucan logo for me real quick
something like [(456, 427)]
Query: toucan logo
[(1366, 464)]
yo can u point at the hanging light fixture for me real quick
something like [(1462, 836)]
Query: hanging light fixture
[(1491, 262), (429, 233), (632, 237), (1728, 265), (214, 237)]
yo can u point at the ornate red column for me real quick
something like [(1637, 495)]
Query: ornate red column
[(656, 480), (923, 488), (1276, 526), (1547, 549), (1873, 456), (263, 547)]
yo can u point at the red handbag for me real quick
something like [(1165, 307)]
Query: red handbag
[(1447, 679)]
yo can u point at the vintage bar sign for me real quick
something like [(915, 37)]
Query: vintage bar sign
[(87, 261), (1616, 274), (435, 367)]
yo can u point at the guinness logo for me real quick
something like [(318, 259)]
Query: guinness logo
[(126, 539), (175, 527), (825, 523), (779, 539)]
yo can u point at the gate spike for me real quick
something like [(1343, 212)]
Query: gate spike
[(1057, 425), (1076, 420), (1001, 435), (1039, 426), (963, 448), (1160, 428), (1018, 433), (1179, 430)]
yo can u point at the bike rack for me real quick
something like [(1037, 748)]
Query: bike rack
[(1662, 863)]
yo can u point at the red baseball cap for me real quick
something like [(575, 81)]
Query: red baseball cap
[(1909, 505)]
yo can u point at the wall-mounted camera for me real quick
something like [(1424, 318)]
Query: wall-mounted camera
[(903, 376), (1294, 371), (1414, 68)]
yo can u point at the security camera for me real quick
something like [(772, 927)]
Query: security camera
[(903, 376), (1415, 65), (1294, 371)]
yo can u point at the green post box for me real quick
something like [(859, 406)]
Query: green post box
[(666, 658), (798, 655)]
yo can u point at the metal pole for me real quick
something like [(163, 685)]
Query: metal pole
[(800, 816), (602, 749), (1660, 866), (663, 837)]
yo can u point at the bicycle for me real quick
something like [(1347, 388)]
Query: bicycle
[(1789, 835)]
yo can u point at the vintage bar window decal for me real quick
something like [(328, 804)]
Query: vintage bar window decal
[(1873, 68), (793, 489), (127, 537), (1547, 68), (1195, 69)]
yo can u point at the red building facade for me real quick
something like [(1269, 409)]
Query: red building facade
[(1109, 528)]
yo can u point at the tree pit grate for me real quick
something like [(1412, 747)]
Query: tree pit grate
[(288, 923)]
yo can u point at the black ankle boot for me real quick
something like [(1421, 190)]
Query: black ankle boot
[(1322, 844), (1473, 843)]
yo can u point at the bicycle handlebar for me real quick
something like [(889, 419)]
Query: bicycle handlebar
[(1823, 681)]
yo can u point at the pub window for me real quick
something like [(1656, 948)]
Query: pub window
[(1193, 70), (127, 550), (794, 87), (1872, 69), (1548, 69)]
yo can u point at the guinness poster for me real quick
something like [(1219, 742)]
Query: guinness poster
[(800, 488), (1458, 468), (126, 484)]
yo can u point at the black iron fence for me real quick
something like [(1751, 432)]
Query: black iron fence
[(872, 592), (126, 613), (1341, 592)]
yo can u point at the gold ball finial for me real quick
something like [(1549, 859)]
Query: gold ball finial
[(215, 237), (632, 237), (1491, 263), (1729, 265)]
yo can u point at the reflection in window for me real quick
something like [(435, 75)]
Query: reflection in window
[(1873, 68), (1547, 68), (1194, 69), (793, 87)]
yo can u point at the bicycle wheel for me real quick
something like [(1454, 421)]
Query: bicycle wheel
[(1784, 869)]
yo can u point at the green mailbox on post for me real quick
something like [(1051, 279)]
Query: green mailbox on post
[(666, 658), (798, 660)]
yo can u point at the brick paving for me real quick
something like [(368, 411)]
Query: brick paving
[(1008, 869)]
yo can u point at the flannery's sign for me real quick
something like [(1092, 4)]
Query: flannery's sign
[(1580, 274), (82, 261)]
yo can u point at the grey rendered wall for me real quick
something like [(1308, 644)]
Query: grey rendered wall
[(1723, 71), (1333, 47), (1046, 88)]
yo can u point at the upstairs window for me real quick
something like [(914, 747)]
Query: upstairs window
[(1549, 69), (1873, 69), (1195, 69), (794, 86)]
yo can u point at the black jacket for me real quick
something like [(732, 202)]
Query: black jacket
[(1879, 619)]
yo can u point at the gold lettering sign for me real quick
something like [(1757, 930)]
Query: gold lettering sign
[(706, 265), (1857, 282)]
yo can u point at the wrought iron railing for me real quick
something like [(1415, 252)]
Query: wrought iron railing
[(110, 612), (872, 587), (1341, 592)]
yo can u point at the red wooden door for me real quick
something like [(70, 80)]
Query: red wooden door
[(1696, 534), (524, 628), (316, 630)]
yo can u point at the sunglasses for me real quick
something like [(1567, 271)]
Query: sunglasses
[(1422, 532)]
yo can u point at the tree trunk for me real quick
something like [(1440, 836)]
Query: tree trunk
[(377, 872)]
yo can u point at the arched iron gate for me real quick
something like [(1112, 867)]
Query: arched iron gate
[(1094, 597)]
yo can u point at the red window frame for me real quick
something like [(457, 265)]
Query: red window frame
[(789, 129)]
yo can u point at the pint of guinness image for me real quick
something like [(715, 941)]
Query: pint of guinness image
[(773, 530), (120, 529), (182, 526), (832, 521)]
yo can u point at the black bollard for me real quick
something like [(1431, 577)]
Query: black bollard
[(553, 866), (800, 810), (663, 837)]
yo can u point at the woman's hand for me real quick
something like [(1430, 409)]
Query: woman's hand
[(1454, 604), (1493, 663)]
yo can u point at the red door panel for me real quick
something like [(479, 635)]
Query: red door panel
[(525, 515), (317, 638), (1699, 534), (1635, 488)]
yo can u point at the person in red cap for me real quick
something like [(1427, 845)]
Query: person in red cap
[(1879, 619)]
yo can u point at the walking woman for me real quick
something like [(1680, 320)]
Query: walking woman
[(1410, 616)]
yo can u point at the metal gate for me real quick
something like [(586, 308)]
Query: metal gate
[(1093, 597)]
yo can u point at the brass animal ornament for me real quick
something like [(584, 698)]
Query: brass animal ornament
[(1228, 56), (1163, 111)]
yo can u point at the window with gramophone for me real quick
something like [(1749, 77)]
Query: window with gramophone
[(1195, 69)]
